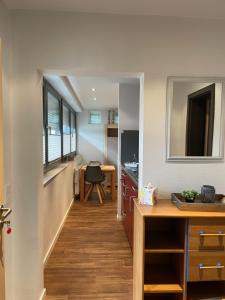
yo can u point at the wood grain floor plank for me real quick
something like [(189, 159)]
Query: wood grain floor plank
[(92, 257)]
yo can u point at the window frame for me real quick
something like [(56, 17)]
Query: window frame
[(64, 103), (91, 112), (75, 126), (48, 88)]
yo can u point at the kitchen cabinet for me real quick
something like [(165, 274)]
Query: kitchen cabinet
[(129, 192)]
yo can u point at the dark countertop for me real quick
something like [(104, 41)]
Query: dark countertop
[(131, 173)]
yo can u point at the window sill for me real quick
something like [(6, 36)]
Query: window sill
[(50, 175)]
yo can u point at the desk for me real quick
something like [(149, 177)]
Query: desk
[(105, 169)]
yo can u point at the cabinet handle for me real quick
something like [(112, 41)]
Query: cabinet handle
[(131, 199), (217, 266), (124, 214), (125, 188), (219, 233), (134, 189)]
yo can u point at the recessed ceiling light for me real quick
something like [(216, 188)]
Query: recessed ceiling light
[(95, 98), (93, 90)]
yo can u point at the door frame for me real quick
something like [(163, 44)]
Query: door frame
[(2, 273)]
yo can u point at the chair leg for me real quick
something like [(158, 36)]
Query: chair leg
[(99, 193), (102, 190), (89, 192)]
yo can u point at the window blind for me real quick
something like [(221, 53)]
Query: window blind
[(66, 130), (73, 133), (44, 148), (54, 133), (59, 127)]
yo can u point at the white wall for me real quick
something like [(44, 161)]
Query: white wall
[(158, 47), (129, 104), (57, 197), (112, 150), (5, 36), (91, 137), (129, 100)]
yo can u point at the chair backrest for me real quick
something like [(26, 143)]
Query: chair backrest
[(94, 174)]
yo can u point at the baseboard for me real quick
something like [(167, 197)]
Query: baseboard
[(43, 295), (57, 235)]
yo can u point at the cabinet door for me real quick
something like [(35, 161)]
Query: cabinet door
[(129, 192), (126, 217), (132, 193), (123, 191)]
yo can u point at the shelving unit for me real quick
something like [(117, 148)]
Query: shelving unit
[(178, 255), (164, 258)]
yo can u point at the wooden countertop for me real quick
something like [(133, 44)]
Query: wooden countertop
[(165, 208)]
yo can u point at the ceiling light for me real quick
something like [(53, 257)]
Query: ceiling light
[(93, 90), (95, 98)]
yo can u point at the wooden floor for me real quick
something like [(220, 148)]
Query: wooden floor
[(92, 258)]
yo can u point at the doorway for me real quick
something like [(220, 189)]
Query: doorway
[(91, 214), (200, 122)]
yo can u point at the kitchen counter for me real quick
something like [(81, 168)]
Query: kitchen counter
[(129, 191), (131, 173)]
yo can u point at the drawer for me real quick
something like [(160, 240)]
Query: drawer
[(206, 266), (206, 234)]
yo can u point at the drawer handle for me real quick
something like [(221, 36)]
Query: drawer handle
[(217, 266), (219, 233)]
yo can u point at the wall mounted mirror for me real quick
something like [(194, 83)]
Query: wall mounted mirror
[(194, 119)]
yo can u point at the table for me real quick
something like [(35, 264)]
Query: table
[(105, 169)]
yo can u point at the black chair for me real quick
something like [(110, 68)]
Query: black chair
[(95, 177)]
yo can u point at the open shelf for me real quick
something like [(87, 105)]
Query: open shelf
[(163, 297), (161, 242), (162, 288), (164, 235), (163, 273), (208, 290)]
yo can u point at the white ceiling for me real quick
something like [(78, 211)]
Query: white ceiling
[(211, 9), (77, 90), (106, 92)]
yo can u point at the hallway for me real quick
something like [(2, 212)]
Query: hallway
[(92, 258)]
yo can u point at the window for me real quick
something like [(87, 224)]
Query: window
[(59, 131), (73, 133), (53, 125), (44, 146), (66, 130), (95, 117)]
